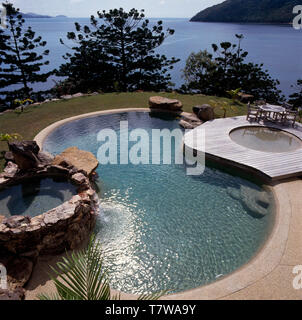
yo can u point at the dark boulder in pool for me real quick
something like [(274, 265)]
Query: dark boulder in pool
[(256, 202)]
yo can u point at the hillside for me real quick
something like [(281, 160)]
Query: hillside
[(254, 11), (34, 15)]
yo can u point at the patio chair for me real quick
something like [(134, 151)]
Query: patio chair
[(279, 116), (253, 113), (290, 116)]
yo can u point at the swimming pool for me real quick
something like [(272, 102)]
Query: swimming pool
[(159, 227)]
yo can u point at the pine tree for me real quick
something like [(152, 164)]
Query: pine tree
[(296, 98), (125, 44), (20, 60)]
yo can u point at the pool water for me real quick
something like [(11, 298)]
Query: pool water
[(34, 197), (265, 139), (161, 229)]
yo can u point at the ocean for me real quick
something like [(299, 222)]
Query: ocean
[(278, 47)]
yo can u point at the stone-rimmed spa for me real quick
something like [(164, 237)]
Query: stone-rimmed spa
[(24, 238)]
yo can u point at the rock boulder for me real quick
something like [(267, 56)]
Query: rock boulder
[(204, 112), (189, 121), (17, 294), (82, 160), (162, 103), (25, 154)]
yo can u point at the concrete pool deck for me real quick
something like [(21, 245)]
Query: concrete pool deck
[(269, 275)]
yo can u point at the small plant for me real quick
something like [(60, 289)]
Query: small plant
[(8, 137), (23, 103), (82, 276), (234, 94), (225, 106)]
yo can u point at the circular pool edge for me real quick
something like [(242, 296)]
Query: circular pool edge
[(266, 126), (263, 262)]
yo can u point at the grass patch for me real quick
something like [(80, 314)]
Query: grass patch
[(35, 118)]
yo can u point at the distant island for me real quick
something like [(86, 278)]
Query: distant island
[(253, 11), (31, 15)]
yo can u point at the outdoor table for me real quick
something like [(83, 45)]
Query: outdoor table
[(269, 108)]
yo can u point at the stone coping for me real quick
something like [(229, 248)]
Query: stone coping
[(23, 238), (22, 235), (267, 259), (42, 135)]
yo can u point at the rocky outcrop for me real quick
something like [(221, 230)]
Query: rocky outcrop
[(189, 121), (204, 112), (10, 170), (27, 155), (19, 270), (82, 160), (8, 156), (9, 294), (165, 104)]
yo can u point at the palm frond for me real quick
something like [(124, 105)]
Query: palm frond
[(152, 296), (82, 276)]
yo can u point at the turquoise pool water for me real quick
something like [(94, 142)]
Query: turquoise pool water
[(160, 228), (34, 196)]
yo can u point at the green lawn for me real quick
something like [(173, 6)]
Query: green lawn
[(35, 118)]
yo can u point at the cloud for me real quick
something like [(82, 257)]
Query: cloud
[(162, 2), (76, 1)]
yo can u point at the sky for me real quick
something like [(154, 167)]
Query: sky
[(85, 8)]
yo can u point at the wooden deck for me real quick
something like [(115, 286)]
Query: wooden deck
[(220, 147)]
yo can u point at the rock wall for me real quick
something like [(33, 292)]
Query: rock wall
[(24, 238), (64, 227)]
